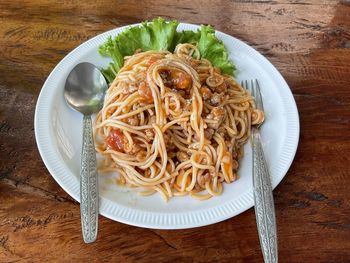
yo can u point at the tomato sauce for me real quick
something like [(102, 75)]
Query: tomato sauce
[(116, 140), (145, 92), (177, 79)]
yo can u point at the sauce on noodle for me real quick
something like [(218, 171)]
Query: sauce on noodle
[(173, 124)]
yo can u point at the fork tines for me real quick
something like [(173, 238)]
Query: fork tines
[(254, 88)]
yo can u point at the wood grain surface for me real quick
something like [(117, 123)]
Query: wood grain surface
[(308, 41)]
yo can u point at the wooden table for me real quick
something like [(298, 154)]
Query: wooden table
[(308, 41)]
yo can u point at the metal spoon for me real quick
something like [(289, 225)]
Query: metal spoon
[(84, 91)]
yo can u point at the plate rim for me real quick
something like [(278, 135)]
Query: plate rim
[(159, 220)]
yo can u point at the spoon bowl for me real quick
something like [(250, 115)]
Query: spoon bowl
[(85, 88)]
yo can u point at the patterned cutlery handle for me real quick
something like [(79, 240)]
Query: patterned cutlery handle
[(264, 204), (88, 185)]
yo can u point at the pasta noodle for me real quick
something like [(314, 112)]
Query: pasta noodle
[(173, 124)]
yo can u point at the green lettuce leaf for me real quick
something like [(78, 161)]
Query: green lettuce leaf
[(162, 35), (157, 35), (186, 36), (214, 50)]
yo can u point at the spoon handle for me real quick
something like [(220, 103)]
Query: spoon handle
[(88, 184)]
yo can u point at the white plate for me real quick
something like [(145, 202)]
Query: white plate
[(58, 132)]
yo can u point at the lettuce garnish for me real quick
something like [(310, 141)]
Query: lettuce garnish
[(162, 35)]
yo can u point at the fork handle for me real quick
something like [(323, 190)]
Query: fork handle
[(88, 184), (264, 205)]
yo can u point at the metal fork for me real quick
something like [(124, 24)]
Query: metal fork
[(263, 197)]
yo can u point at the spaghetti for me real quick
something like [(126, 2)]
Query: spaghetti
[(173, 124)]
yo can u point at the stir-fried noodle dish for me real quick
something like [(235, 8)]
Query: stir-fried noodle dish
[(172, 123)]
